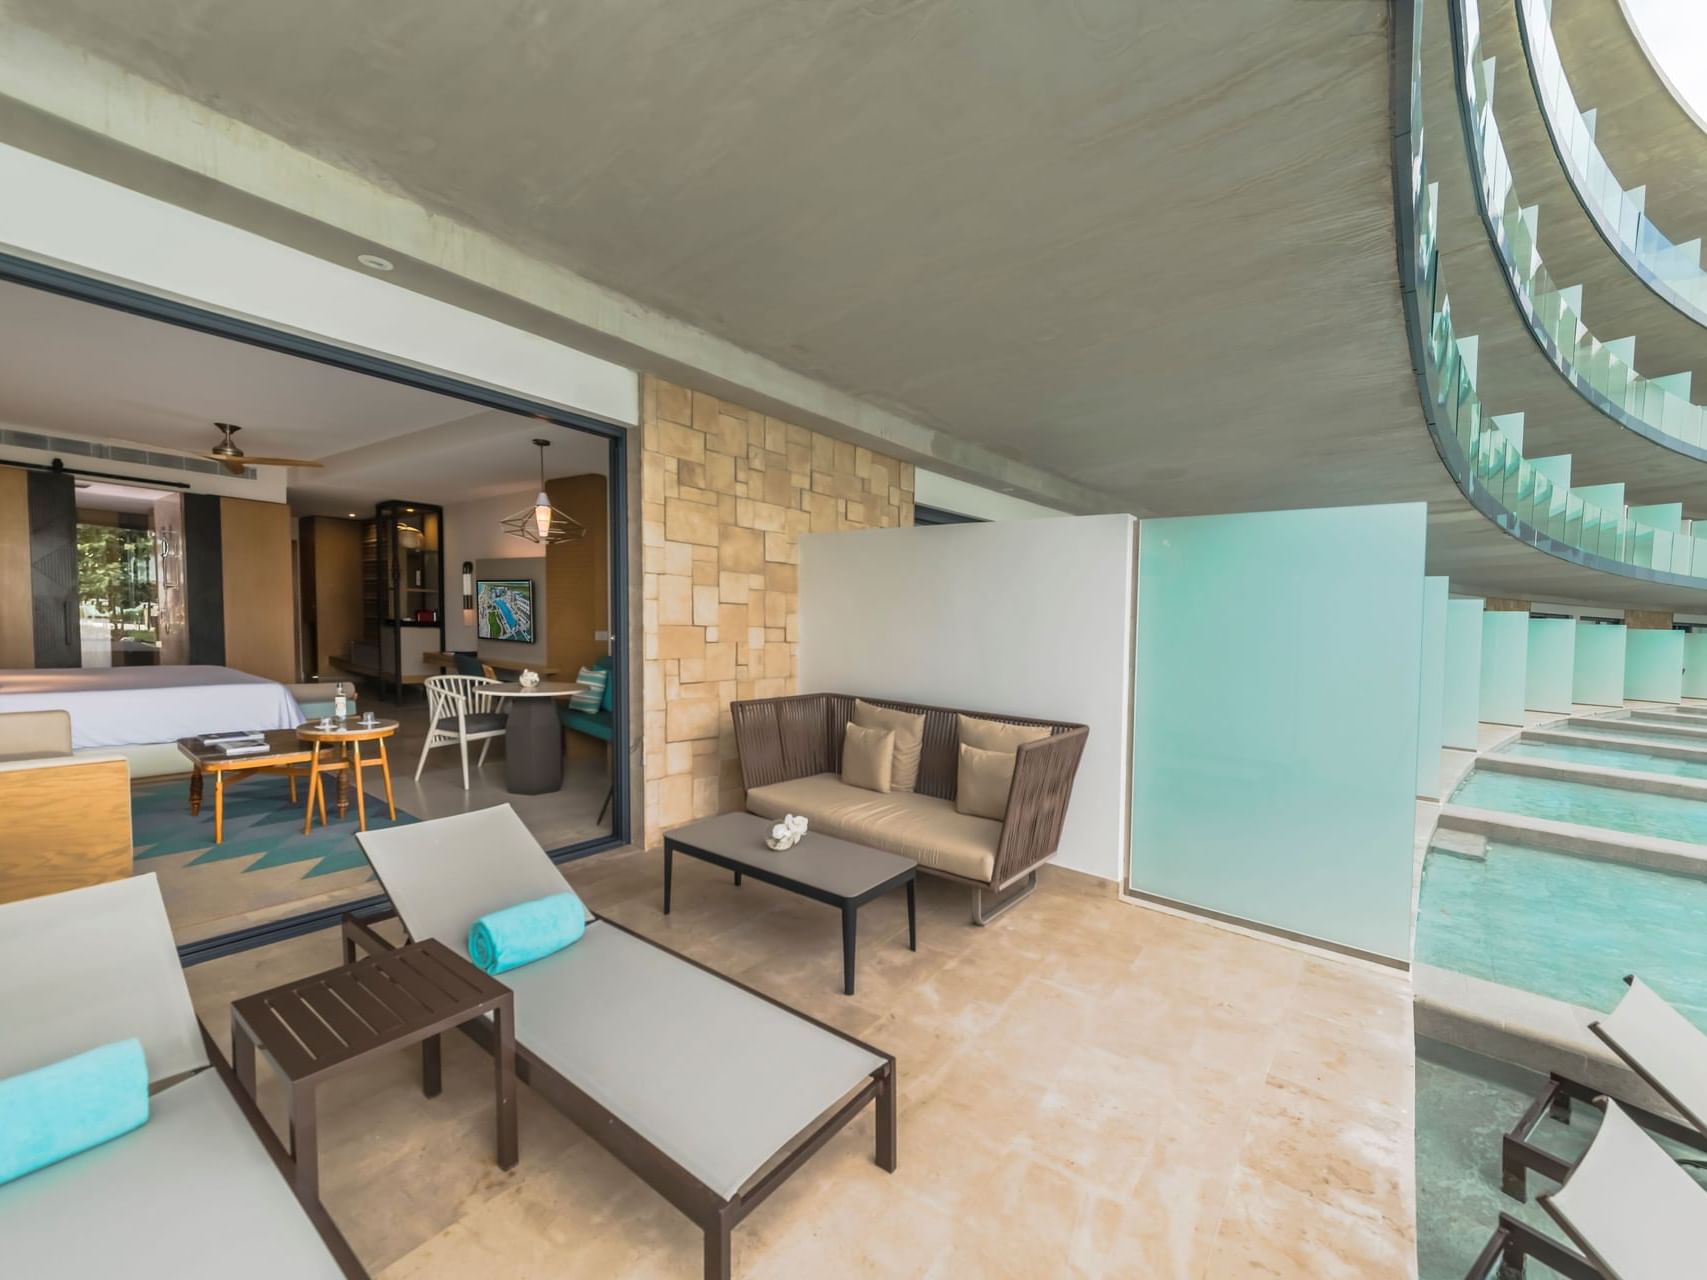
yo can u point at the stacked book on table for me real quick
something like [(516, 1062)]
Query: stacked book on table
[(235, 744)]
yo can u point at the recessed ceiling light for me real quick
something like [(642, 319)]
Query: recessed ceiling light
[(352, 515), (373, 262)]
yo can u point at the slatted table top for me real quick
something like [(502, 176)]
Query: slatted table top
[(317, 1024)]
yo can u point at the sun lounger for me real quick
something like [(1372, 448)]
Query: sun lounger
[(708, 1090), (1665, 1050), (1632, 1211), (201, 1189)]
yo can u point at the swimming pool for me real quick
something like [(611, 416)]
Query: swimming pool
[(1635, 812), (1606, 758), (1565, 927)]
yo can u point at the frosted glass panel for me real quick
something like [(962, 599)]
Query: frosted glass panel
[(1695, 664), (1505, 649), (1550, 664), (1279, 663), (1461, 710), (1599, 665), (1432, 688), (1653, 665)]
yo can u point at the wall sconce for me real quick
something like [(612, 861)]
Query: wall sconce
[(468, 591)]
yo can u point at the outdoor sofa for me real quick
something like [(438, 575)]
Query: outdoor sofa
[(791, 762), (710, 1091), (202, 1189)]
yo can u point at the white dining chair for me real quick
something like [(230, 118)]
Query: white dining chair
[(462, 709)]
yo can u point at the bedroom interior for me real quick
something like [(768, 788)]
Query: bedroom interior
[(155, 590)]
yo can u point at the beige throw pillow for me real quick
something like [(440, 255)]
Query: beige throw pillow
[(982, 784), (909, 730), (993, 735), (868, 758)]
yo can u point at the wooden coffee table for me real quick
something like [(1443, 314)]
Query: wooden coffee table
[(837, 872), (285, 754)]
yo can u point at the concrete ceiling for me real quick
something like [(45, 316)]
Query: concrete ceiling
[(77, 369), (1104, 236), (1148, 247)]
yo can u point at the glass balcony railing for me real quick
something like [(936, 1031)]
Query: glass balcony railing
[(1672, 269), (1530, 500), (1604, 373)]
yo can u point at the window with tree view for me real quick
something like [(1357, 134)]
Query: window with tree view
[(118, 590)]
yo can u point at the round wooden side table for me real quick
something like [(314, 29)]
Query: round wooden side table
[(348, 736)]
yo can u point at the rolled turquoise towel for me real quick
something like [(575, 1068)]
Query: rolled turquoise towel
[(71, 1105), (526, 932)]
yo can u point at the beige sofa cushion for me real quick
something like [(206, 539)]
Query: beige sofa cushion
[(909, 728), (868, 758), (993, 735), (982, 784), (920, 827)]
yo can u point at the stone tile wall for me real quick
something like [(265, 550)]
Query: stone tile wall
[(725, 494)]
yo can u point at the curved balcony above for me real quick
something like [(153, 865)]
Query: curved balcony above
[(1603, 372), (1532, 500), (1669, 266)]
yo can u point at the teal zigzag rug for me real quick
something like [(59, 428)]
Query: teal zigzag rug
[(262, 826)]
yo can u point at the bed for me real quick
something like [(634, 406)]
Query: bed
[(118, 708)]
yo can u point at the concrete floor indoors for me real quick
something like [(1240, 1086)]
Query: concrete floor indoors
[(1088, 1088), (208, 895)]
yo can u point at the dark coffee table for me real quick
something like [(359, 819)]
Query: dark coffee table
[(837, 872), (317, 1026)]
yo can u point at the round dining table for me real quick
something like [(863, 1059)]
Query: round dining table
[(533, 736)]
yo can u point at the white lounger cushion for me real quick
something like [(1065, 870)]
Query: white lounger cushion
[(1631, 1206), (714, 1076), (190, 1194), (1663, 1045), (90, 966)]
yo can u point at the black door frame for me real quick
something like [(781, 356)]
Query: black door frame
[(70, 284)]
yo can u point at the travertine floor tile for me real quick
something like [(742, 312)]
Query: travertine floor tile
[(1088, 1088)]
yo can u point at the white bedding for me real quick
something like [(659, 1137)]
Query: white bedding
[(126, 706)]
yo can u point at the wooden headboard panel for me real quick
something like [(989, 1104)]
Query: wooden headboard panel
[(67, 825)]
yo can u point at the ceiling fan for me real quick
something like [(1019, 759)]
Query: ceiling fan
[(233, 459)]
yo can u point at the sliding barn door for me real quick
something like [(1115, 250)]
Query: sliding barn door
[(53, 569)]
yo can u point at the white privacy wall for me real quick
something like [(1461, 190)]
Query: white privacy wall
[(1032, 618)]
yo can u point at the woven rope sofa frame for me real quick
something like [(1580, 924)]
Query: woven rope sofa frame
[(781, 739)]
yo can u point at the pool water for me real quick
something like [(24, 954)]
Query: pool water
[(1606, 758), (1565, 927), (1465, 1103), (1634, 812)]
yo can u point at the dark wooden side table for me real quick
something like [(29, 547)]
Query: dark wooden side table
[(315, 1027)]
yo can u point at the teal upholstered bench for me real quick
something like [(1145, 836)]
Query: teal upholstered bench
[(594, 724)]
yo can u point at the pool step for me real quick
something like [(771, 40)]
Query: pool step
[(1533, 1031), (1648, 746), (1599, 775), (1466, 844), (1681, 728), (1676, 856)]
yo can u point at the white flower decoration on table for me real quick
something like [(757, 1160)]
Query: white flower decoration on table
[(787, 833), (529, 679)]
